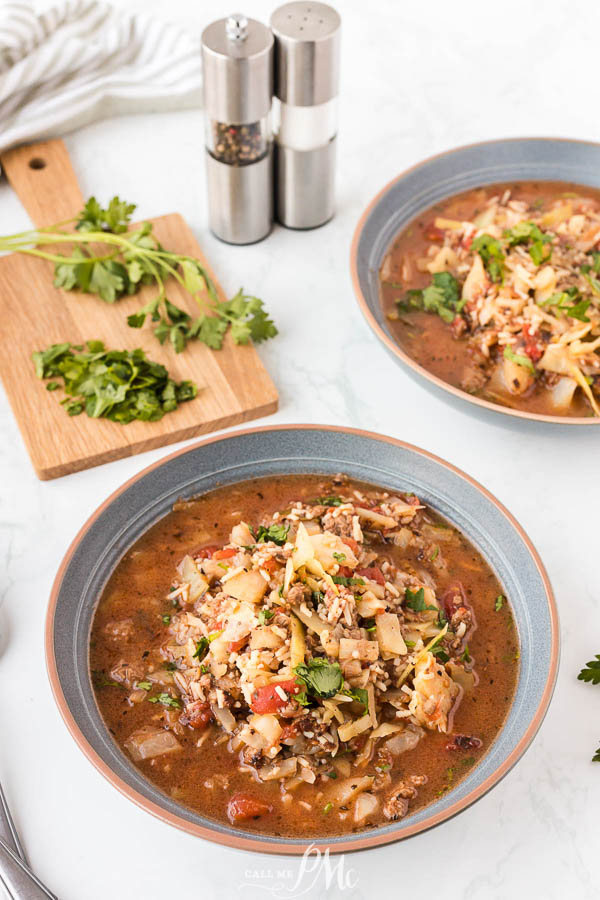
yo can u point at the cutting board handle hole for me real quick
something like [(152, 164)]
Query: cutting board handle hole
[(37, 163)]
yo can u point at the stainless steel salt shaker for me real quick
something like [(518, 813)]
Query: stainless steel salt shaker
[(237, 59), (307, 62)]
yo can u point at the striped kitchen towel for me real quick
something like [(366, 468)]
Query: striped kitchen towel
[(83, 60)]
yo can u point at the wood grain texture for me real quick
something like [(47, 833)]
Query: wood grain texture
[(233, 384)]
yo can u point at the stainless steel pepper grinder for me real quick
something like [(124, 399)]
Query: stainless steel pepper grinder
[(307, 62), (237, 59)]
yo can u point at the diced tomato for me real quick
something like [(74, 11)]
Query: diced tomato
[(373, 573), (236, 646), (225, 553), (206, 552), (197, 715), (243, 806), (266, 699), (467, 240), (350, 542), (433, 233), (532, 348), (270, 565)]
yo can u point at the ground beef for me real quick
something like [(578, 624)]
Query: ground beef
[(396, 803), (340, 525)]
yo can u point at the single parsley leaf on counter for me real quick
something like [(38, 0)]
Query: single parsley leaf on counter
[(492, 256), (415, 600), (276, 533), (519, 359), (321, 678), (591, 671)]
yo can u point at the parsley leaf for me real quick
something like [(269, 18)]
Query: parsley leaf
[(529, 232), (166, 700), (591, 672), (264, 616), (499, 602), (415, 600), (203, 645), (120, 385), (327, 501), (492, 256), (518, 358), (361, 696), (347, 580), (441, 297), (321, 678), (276, 533), (561, 301)]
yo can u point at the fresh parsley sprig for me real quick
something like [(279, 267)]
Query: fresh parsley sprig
[(108, 259)]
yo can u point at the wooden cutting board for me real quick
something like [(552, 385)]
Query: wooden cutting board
[(233, 383)]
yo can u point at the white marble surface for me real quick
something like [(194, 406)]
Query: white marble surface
[(417, 79)]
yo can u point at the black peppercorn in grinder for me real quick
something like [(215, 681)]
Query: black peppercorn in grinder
[(237, 58)]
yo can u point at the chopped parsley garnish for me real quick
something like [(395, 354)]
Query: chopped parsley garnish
[(166, 700), (347, 580), (361, 696), (439, 652), (441, 297), (264, 616), (317, 597), (415, 600), (320, 677), (466, 656), (166, 620), (519, 359), (434, 555), (327, 808), (203, 645), (276, 533), (171, 667), (327, 501), (499, 602), (530, 233), (385, 767), (570, 302), (144, 685), (492, 256), (339, 557), (369, 624)]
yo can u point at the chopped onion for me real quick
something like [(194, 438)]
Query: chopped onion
[(148, 742)]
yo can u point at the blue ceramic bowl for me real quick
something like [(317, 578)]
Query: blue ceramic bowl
[(243, 455), (436, 179)]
